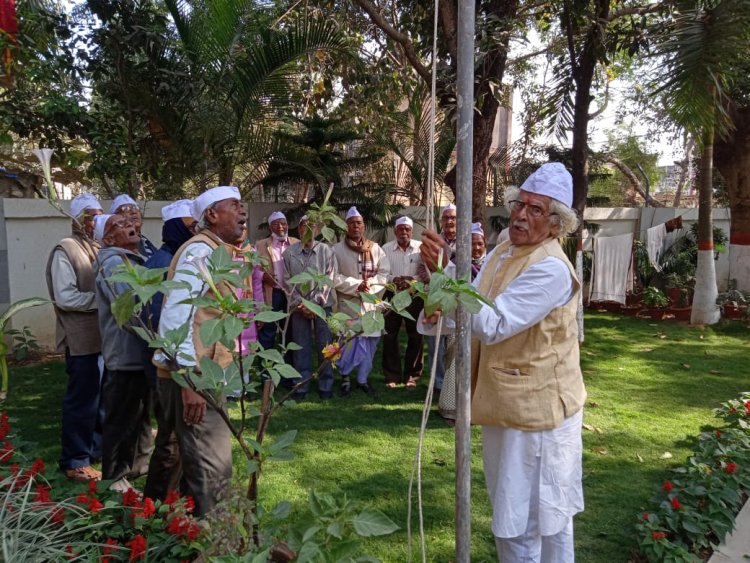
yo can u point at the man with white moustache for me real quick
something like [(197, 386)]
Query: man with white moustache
[(527, 388), (204, 439)]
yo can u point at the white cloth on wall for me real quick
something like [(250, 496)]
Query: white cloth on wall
[(610, 269), (655, 237)]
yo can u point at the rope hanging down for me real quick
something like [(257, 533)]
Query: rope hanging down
[(430, 224)]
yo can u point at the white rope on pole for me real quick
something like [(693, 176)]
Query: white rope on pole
[(430, 224)]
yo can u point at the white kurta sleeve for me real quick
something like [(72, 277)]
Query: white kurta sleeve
[(174, 314), (67, 295), (529, 298)]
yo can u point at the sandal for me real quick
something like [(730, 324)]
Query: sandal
[(391, 385), (412, 383)]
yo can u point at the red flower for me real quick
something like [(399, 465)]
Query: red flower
[(172, 497), (747, 406), (137, 547), (95, 506), (92, 486), (14, 469), (645, 515), (130, 498), (37, 467), (658, 535), (731, 467), (189, 504), (107, 551), (176, 525), (57, 515), (82, 499), (42, 494), (192, 531), (667, 486), (7, 452), (718, 433), (676, 503), (148, 508)]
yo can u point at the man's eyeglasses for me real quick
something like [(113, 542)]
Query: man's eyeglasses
[(119, 224), (532, 210)]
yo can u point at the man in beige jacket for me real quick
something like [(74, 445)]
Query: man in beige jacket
[(527, 388)]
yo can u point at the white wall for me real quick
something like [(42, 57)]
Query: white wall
[(30, 228)]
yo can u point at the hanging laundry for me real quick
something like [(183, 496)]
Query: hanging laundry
[(611, 268), (655, 244)]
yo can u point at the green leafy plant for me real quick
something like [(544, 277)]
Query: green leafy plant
[(654, 298), (4, 318), (24, 343), (696, 508)]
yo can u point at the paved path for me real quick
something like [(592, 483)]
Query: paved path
[(736, 546)]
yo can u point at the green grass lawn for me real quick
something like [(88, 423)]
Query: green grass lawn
[(652, 387)]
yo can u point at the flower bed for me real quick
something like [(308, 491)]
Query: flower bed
[(696, 508), (45, 518)]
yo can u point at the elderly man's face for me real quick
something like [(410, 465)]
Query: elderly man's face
[(279, 227), (88, 221), (478, 247), (355, 228), (133, 213), (120, 231), (403, 235), (531, 221), (227, 219), (448, 223)]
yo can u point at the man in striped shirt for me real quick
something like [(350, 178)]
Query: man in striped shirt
[(403, 255)]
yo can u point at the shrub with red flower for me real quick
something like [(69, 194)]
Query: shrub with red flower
[(138, 546), (125, 524), (695, 509)]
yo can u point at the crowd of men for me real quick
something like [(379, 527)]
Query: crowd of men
[(116, 382)]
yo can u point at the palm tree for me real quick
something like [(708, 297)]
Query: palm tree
[(702, 45)]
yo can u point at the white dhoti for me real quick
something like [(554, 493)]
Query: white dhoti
[(534, 480)]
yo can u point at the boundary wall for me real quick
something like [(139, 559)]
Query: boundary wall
[(30, 228)]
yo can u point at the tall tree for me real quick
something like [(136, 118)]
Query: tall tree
[(703, 45), (412, 41)]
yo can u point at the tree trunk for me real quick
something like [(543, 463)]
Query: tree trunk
[(684, 170), (732, 159), (705, 310)]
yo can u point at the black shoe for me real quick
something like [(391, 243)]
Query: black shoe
[(346, 388), (299, 395), (367, 388), (325, 395)]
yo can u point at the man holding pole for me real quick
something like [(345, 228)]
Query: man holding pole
[(527, 387)]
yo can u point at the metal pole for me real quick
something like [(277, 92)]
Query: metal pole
[(464, 177)]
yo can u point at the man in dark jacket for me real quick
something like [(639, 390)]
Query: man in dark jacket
[(126, 391)]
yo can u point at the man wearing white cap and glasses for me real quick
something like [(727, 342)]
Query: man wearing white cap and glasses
[(363, 268), (527, 388), (70, 277), (204, 439), (403, 256), (126, 392), (272, 249), (126, 206)]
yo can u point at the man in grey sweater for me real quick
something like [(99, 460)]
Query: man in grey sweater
[(126, 392)]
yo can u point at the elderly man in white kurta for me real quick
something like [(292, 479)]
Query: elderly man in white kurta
[(527, 387), (363, 268)]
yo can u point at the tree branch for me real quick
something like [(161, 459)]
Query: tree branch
[(636, 11), (400, 38), (635, 183)]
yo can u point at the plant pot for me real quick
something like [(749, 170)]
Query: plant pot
[(655, 314), (631, 310), (681, 313), (675, 293), (733, 312)]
